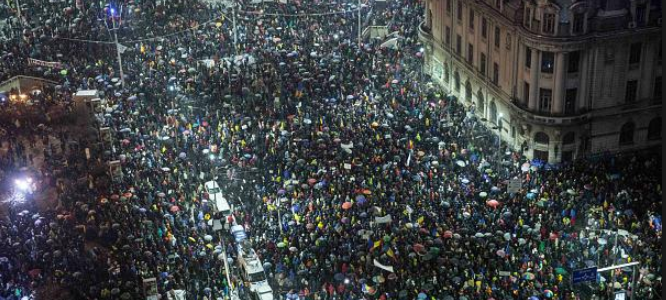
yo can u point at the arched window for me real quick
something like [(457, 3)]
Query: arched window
[(569, 138), (541, 138), (654, 129), (627, 133), (468, 91), (481, 106), (456, 79), (493, 113), (446, 73)]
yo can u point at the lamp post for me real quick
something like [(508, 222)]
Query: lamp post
[(112, 11)]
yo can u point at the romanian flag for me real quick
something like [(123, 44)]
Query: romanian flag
[(376, 244)]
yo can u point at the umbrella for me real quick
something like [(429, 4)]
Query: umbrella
[(174, 209), (208, 238), (528, 276), (360, 199), (346, 205), (492, 203), (483, 194), (460, 163), (525, 167), (500, 253), (561, 270)]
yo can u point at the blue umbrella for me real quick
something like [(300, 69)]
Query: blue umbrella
[(422, 296), (531, 196), (360, 199), (295, 208)]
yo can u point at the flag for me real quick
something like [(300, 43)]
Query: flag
[(381, 266), (390, 253), (376, 245), (420, 220)]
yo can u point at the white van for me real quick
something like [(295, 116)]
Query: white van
[(215, 196), (253, 271)]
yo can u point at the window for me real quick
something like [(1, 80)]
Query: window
[(541, 138), (578, 22), (635, 53), (654, 129), (482, 67), (526, 92), (498, 4), (460, 10), (569, 138), (548, 23), (528, 57), (497, 36), (484, 28), (609, 55), (659, 54), (495, 73), (471, 19), (458, 44), (456, 79), (527, 18), (574, 59), (448, 35), (470, 53), (468, 91), (627, 134), (493, 113), (656, 92), (448, 6), (630, 91), (508, 41), (640, 14), (547, 59), (570, 101), (545, 99), (446, 73)]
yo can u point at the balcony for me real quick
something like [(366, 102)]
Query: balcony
[(545, 118), (425, 33)]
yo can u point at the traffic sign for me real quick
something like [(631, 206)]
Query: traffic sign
[(583, 275)]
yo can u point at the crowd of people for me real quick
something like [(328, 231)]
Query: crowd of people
[(353, 176)]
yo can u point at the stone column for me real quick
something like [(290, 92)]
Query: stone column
[(558, 84), (534, 80)]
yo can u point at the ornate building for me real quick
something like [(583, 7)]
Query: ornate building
[(559, 78)]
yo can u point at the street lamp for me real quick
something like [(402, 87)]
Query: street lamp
[(112, 13), (499, 142)]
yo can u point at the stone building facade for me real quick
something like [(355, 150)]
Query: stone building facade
[(560, 79)]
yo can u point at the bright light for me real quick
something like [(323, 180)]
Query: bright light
[(336, 36), (113, 11), (347, 281), (212, 157), (501, 115), (171, 88), (23, 184), (421, 50)]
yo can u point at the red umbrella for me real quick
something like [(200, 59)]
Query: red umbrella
[(346, 205), (418, 247), (312, 181), (493, 203), (174, 209)]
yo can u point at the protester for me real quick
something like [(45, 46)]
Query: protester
[(352, 175)]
